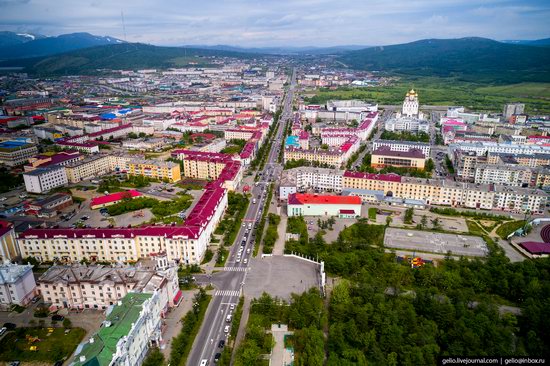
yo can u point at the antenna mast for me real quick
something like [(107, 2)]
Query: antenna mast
[(123, 26)]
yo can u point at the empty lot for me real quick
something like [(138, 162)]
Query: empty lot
[(425, 241)]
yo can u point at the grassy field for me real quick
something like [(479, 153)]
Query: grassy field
[(509, 227), (50, 348), (448, 91)]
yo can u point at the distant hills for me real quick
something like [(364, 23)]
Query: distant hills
[(45, 46), (117, 56), (537, 42), (14, 38), (308, 50), (471, 59)]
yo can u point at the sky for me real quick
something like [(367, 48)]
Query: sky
[(266, 23)]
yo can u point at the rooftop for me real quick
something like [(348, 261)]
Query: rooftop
[(114, 197), (314, 199), (11, 273)]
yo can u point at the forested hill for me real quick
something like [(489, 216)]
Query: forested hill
[(118, 56), (472, 59)]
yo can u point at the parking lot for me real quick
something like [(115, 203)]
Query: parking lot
[(425, 241)]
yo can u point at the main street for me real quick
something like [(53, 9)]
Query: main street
[(230, 284)]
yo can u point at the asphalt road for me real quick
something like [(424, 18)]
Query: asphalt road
[(229, 285)]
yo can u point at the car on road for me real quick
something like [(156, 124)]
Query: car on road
[(204, 363), (232, 307), (58, 318), (3, 330), (221, 343), (226, 329), (247, 250), (217, 357), (245, 261), (9, 326)]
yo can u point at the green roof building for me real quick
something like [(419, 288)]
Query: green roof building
[(131, 326)]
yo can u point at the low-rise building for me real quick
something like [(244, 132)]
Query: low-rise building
[(111, 199), (17, 285), (301, 204), (44, 179), (402, 146), (49, 206), (132, 325)]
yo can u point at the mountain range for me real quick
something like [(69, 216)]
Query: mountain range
[(472, 58), (25, 45)]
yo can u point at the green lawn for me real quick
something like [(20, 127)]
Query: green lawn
[(372, 213), (448, 91), (51, 348), (509, 227)]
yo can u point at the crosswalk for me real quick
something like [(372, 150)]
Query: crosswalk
[(235, 269), (227, 293)]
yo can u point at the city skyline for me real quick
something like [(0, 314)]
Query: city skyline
[(300, 23)]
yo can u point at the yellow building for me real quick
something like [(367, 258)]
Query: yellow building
[(329, 157), (384, 156), (156, 169), (89, 168), (8, 246)]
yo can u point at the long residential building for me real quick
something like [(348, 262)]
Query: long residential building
[(481, 148), (402, 146), (89, 168), (156, 169), (450, 193), (302, 178)]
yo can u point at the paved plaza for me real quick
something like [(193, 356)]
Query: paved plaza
[(426, 241)]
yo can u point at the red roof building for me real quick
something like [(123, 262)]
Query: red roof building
[(303, 204), (111, 199)]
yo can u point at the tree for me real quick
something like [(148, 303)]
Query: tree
[(154, 358), (408, 218), (429, 166), (424, 222), (67, 323), (436, 224), (388, 220)]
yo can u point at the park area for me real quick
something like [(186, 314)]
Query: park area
[(40, 344), (433, 242)]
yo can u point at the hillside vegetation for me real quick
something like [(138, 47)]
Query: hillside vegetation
[(118, 56), (470, 59)]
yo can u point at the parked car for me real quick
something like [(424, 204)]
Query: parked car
[(58, 318), (9, 326)]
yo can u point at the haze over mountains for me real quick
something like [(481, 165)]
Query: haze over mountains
[(24, 45), (472, 58)]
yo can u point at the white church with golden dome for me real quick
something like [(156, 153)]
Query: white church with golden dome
[(410, 118), (410, 105)]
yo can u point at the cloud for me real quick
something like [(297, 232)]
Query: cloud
[(282, 22)]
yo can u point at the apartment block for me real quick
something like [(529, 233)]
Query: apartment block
[(156, 169), (16, 152), (88, 168), (403, 146), (17, 285), (44, 179)]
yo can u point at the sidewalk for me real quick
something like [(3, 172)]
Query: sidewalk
[(279, 247), (281, 356), (172, 321), (242, 327)]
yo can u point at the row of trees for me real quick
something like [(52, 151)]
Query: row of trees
[(271, 234), (405, 136)]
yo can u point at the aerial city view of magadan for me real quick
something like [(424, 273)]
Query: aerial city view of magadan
[(274, 183)]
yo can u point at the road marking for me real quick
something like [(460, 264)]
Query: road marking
[(235, 269), (227, 293)]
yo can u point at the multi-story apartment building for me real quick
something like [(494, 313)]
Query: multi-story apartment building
[(407, 124), (44, 179), (97, 287), (159, 122), (482, 148), (130, 328), (186, 243), (449, 193), (204, 165), (61, 158), (331, 157), (402, 146), (88, 168), (156, 169), (505, 174), (15, 152), (17, 285)]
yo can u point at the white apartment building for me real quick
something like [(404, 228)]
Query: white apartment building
[(159, 123), (403, 146), (407, 124), (319, 179), (505, 174), (44, 179), (132, 325), (17, 286), (481, 148)]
